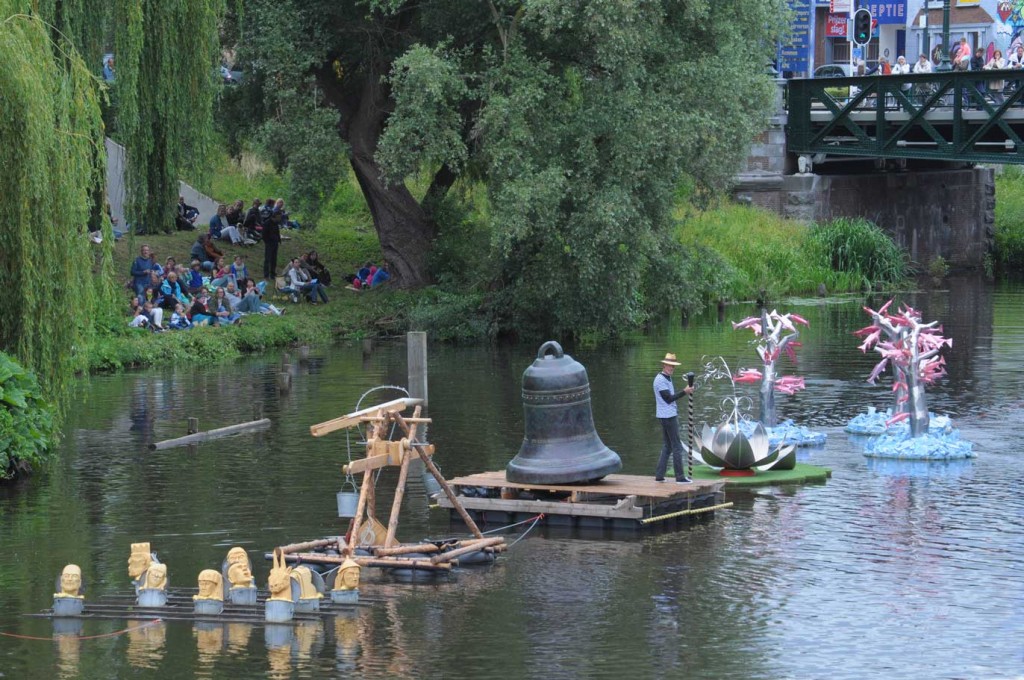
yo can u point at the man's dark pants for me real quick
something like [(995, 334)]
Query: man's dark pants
[(670, 442), (270, 259)]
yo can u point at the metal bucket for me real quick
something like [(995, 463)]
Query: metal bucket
[(68, 606), (348, 501), (279, 611), (151, 597), (307, 605), (243, 596), (208, 607), (345, 596)]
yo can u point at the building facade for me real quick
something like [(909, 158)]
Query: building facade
[(901, 28)]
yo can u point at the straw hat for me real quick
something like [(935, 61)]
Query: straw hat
[(670, 359)]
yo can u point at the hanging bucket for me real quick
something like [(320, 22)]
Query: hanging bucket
[(348, 501)]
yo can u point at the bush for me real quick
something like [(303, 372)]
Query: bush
[(860, 248), (1009, 237), (27, 431)]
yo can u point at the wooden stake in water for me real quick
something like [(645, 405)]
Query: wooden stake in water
[(689, 413)]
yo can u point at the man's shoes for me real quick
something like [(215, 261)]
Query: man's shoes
[(684, 480), (659, 480)]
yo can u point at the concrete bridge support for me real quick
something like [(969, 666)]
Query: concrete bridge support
[(930, 211)]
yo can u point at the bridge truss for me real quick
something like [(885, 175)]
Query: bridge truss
[(954, 116)]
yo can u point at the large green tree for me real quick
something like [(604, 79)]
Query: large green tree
[(54, 280), (581, 118)]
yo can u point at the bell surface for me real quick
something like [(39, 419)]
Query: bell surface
[(561, 445)]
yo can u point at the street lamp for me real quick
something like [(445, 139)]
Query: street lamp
[(944, 64)]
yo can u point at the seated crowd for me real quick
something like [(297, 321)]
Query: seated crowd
[(369, 276)]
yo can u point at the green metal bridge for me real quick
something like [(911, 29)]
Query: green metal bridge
[(952, 116)]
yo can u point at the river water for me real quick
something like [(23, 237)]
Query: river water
[(891, 570)]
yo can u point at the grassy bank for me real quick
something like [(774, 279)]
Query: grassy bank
[(756, 251), (767, 254)]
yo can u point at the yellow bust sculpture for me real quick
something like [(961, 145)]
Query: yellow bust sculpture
[(240, 576), (348, 576), (303, 576), (211, 586), (238, 554), (279, 582), (139, 560), (156, 577), (70, 582)]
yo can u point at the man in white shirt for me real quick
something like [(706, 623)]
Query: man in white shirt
[(665, 398)]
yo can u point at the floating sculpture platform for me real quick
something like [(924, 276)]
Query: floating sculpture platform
[(626, 502), (802, 473), (180, 607)]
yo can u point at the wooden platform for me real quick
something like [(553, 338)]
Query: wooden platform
[(617, 501)]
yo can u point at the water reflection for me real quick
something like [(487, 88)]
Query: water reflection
[(896, 557), (146, 644), (67, 639)]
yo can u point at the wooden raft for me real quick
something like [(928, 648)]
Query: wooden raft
[(622, 499)]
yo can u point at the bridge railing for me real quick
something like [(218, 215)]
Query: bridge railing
[(969, 116)]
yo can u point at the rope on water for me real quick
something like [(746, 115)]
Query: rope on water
[(509, 526), (83, 637), (528, 530)]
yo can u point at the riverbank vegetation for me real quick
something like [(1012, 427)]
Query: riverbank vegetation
[(1009, 236)]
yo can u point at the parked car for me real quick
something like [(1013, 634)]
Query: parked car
[(835, 71)]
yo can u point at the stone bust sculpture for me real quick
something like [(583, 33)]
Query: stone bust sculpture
[(70, 581), (156, 577), (240, 576), (139, 560), (279, 582), (211, 585), (348, 576), (304, 578)]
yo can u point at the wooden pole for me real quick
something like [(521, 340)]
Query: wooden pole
[(417, 360), (367, 346), (364, 492), (193, 425), (308, 545), (472, 547), (404, 549), (198, 437), (387, 563), (403, 475), (356, 417), (284, 381), (441, 480)]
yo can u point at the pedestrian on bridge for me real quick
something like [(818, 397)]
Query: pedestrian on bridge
[(996, 63)]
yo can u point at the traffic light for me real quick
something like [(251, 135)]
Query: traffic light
[(862, 27)]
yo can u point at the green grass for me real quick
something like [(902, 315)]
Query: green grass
[(764, 250), (1009, 237)]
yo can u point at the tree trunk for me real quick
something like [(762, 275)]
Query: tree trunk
[(405, 230)]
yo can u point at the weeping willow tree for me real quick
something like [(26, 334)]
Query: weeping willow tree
[(167, 56), (55, 281)]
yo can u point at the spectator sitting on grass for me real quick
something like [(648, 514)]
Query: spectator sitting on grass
[(211, 254), (300, 280), (238, 269), (185, 220), (179, 320), (252, 224), (195, 279), (200, 311), (155, 315), (232, 294), (316, 267), (380, 276), (222, 310), (236, 213), (222, 274), (251, 303), (173, 292)]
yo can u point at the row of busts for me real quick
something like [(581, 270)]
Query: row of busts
[(299, 587)]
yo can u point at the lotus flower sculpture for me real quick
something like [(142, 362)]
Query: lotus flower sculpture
[(726, 447)]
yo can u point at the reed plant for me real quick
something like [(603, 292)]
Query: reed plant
[(860, 249)]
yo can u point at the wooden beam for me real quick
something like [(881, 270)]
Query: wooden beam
[(376, 462), (546, 507), (199, 437), (383, 562), (308, 545), (421, 450), (354, 418), (469, 548), (403, 476)]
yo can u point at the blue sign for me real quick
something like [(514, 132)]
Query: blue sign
[(887, 11), (796, 56)]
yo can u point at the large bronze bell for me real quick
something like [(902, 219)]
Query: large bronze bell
[(561, 445)]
